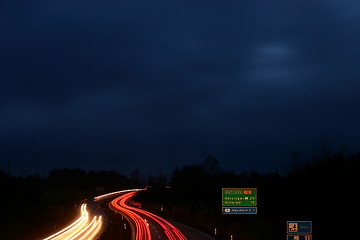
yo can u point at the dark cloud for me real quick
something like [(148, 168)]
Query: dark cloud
[(138, 83)]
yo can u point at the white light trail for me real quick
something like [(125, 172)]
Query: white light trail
[(100, 197), (80, 229)]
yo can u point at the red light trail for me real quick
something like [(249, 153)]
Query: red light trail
[(142, 226)]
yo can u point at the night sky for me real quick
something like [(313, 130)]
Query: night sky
[(154, 85)]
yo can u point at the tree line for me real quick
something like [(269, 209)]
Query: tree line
[(322, 187)]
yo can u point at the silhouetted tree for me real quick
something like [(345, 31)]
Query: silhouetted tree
[(211, 165)]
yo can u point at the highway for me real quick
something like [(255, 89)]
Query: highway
[(84, 228), (147, 226), (144, 225)]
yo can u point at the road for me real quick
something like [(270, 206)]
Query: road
[(92, 222), (147, 226), (192, 233)]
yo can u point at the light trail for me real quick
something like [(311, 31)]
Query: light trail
[(170, 230), (142, 226), (100, 197), (80, 229), (142, 231), (94, 231)]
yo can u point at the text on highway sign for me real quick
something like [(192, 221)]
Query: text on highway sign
[(239, 197)]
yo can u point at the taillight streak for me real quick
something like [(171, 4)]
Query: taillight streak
[(142, 229)]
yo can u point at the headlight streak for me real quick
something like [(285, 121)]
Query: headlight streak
[(95, 230), (79, 222), (81, 229), (100, 197), (170, 230)]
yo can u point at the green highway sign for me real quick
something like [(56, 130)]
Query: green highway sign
[(239, 197)]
